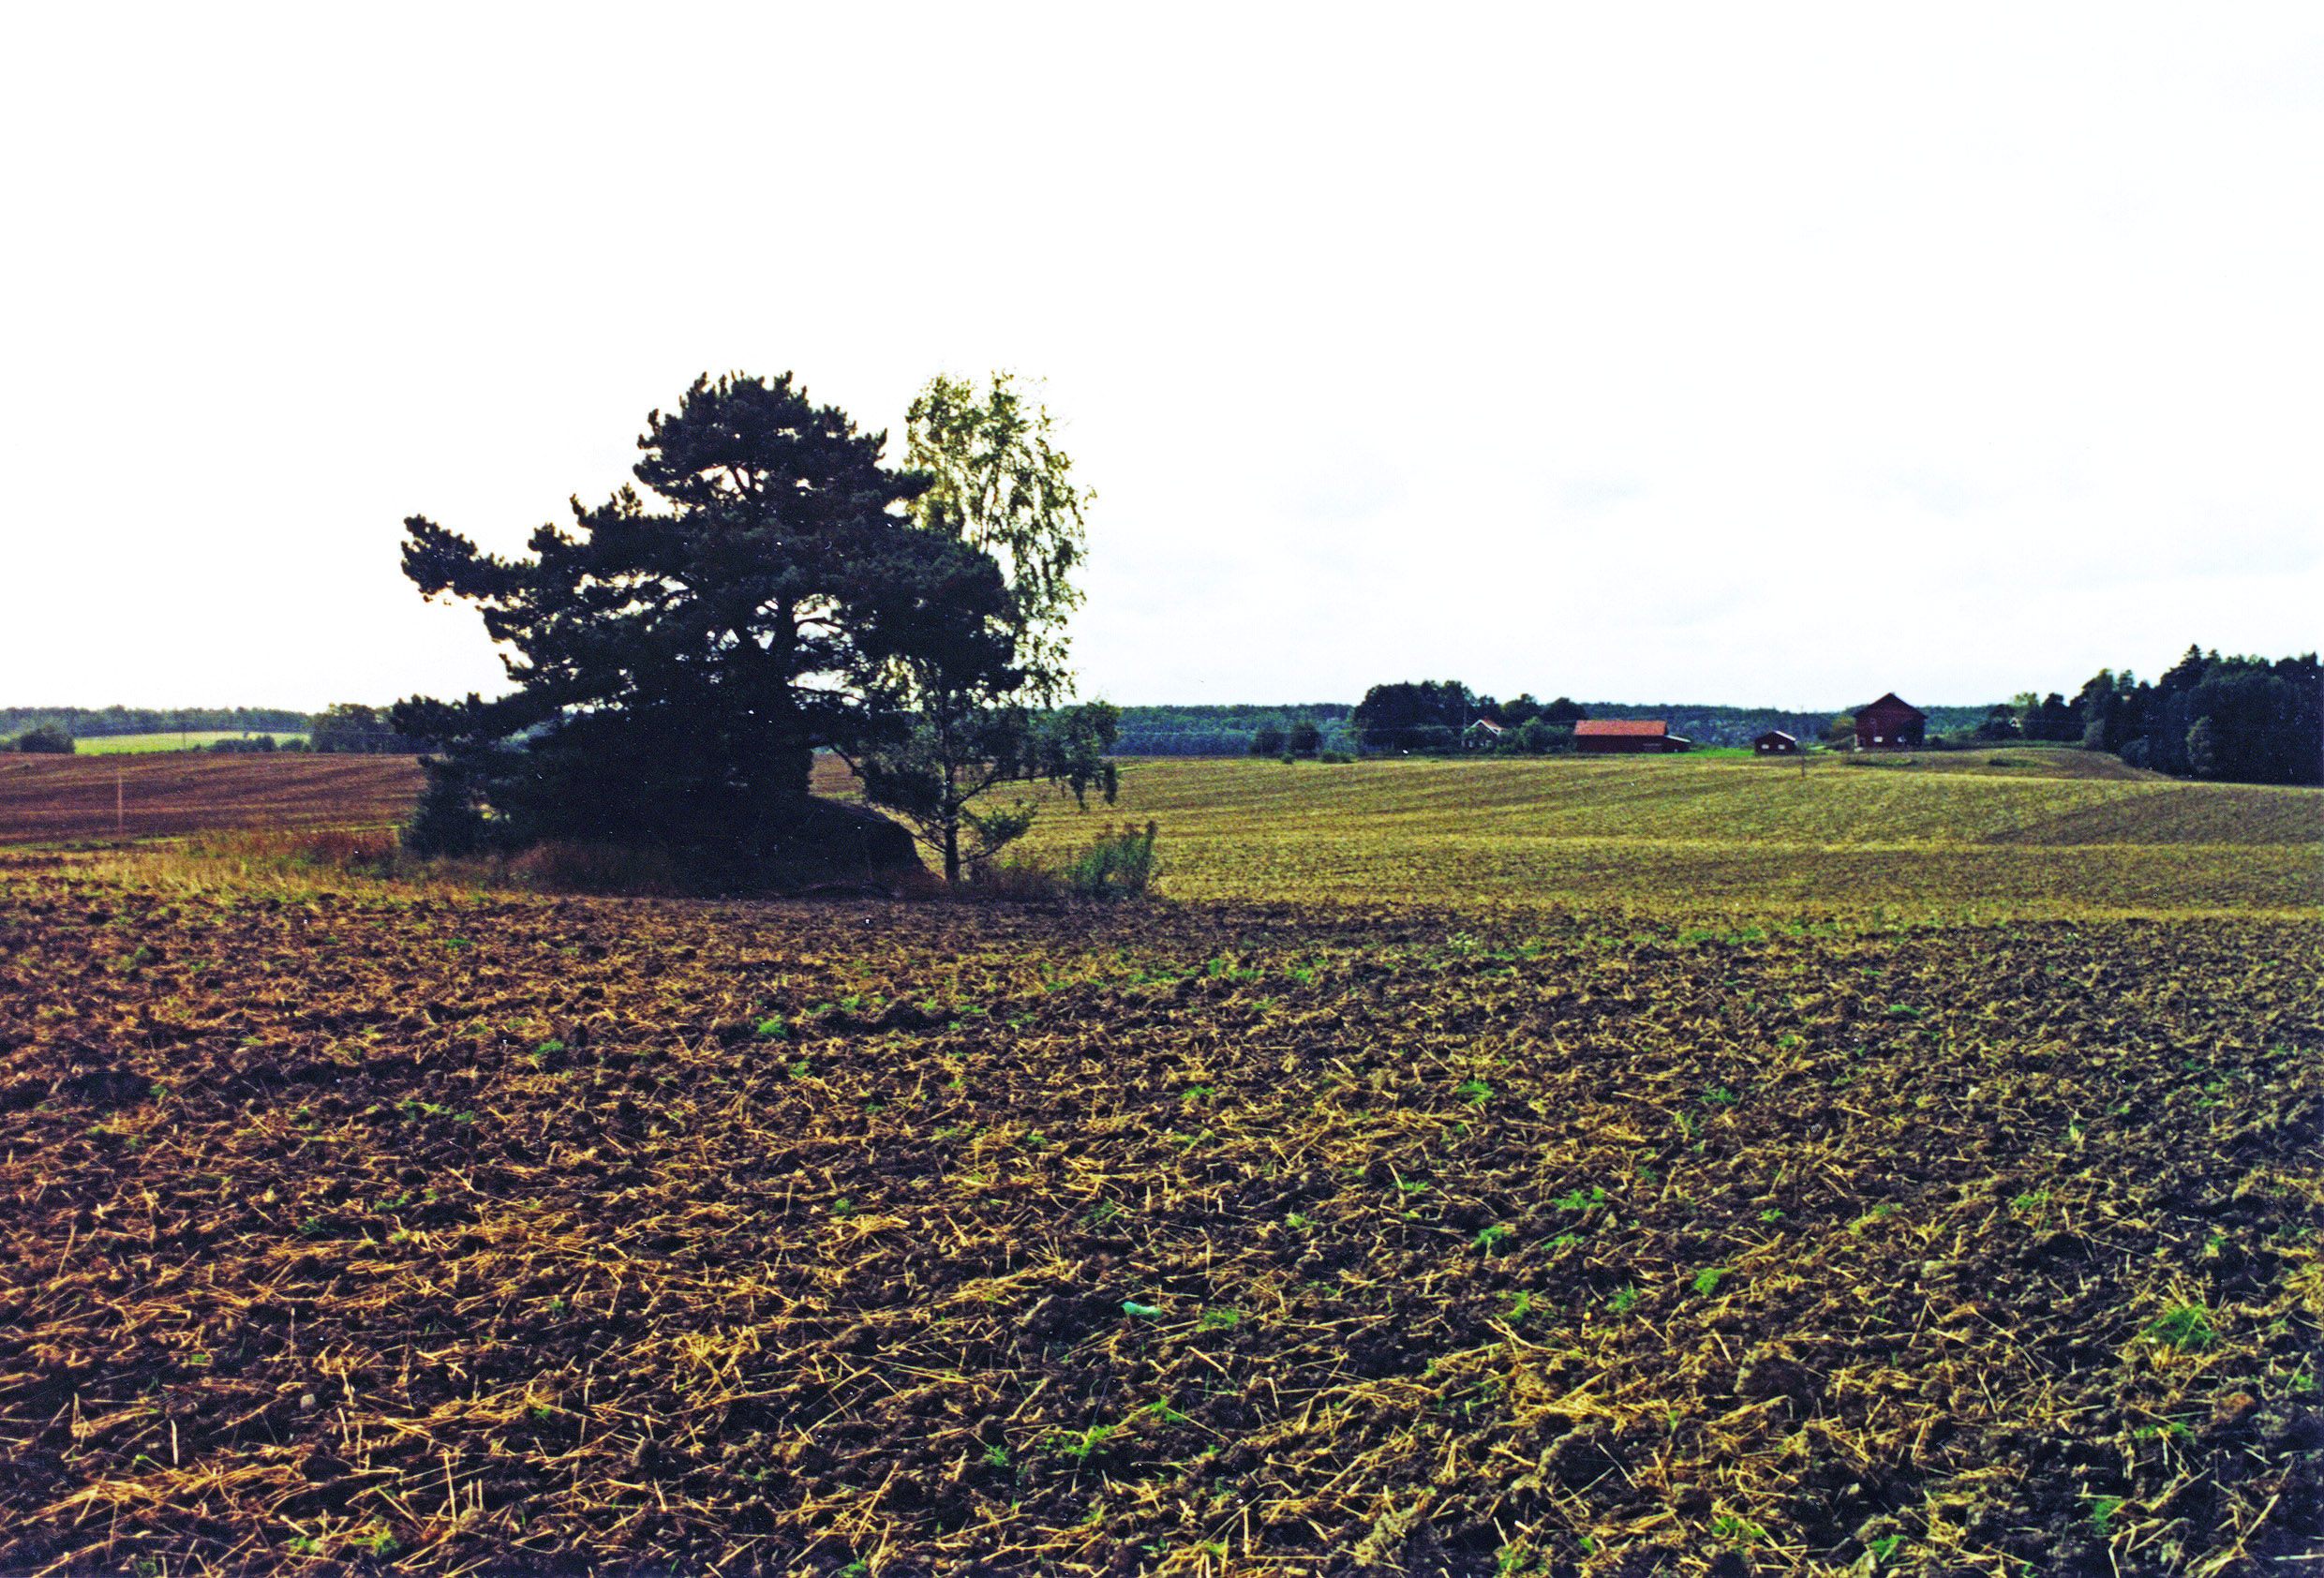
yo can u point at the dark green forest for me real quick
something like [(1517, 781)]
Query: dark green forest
[(1228, 731), (349, 726), (2245, 720), (85, 722)]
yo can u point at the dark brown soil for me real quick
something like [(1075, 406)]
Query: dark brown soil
[(517, 1235), (48, 799)]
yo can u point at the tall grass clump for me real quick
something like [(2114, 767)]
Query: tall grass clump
[(558, 866), (339, 851), (279, 858), (1017, 875), (1117, 865)]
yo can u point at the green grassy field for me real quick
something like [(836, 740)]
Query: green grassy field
[(2044, 832), (116, 745)]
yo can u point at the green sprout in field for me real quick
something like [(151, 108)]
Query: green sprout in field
[(1080, 1447), (2182, 1326)]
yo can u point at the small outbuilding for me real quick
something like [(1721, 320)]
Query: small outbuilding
[(1775, 742), (1889, 723), (1626, 736), (1482, 735)]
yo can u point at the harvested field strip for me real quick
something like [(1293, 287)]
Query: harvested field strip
[(47, 799), (1689, 872), (1720, 800), (1262, 1239), (1671, 831)]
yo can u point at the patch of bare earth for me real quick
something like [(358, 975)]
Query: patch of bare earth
[(518, 1235)]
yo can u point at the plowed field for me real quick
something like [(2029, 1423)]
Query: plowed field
[(369, 1233), (47, 799)]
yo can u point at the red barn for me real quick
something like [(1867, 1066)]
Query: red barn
[(1890, 721), (1775, 742), (1607, 736)]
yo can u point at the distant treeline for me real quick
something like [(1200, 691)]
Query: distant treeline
[(1236, 731), (2241, 719), (2245, 718), (84, 722), (349, 726), (1228, 731)]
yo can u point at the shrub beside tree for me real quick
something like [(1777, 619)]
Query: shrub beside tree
[(47, 739)]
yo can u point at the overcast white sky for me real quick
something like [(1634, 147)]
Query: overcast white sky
[(1771, 353)]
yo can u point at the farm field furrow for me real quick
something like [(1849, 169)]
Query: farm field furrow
[(1964, 880), (1720, 801), (1670, 831), (48, 799), (351, 1230)]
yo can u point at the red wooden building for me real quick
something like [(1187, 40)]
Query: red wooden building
[(1775, 742), (1888, 722), (1635, 736)]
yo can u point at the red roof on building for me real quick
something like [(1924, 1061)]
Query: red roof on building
[(1629, 728)]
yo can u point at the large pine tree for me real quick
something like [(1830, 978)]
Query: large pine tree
[(680, 653)]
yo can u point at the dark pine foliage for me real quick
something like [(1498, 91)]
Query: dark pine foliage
[(1426, 715), (680, 653), (2243, 719)]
